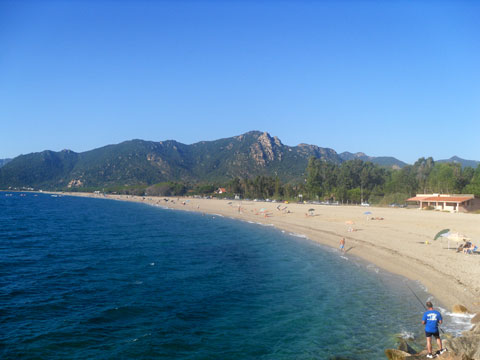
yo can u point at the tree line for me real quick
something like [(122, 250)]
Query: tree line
[(352, 181), (355, 180)]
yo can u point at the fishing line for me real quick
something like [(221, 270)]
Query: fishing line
[(420, 301)]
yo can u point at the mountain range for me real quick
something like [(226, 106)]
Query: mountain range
[(146, 162), (386, 161), (463, 162), (4, 162)]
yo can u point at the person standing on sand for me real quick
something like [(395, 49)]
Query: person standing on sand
[(342, 245), (431, 319)]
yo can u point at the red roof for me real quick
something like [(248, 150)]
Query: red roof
[(458, 199)]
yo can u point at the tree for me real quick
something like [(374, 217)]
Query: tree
[(474, 186), (443, 178), (314, 178), (234, 186), (205, 189), (402, 181), (422, 168), (166, 189)]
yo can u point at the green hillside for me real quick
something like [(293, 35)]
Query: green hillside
[(384, 161), (146, 162), (4, 162), (464, 163)]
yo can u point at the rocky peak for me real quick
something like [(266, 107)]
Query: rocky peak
[(266, 149), (308, 146), (360, 154)]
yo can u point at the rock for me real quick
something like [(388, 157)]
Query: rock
[(459, 309), (450, 356), (474, 330), (403, 345), (476, 319), (467, 345), (401, 355), (394, 354)]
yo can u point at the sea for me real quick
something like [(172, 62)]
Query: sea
[(84, 278)]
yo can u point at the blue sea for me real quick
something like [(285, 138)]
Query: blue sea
[(88, 278)]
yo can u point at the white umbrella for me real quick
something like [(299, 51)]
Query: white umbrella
[(455, 236)]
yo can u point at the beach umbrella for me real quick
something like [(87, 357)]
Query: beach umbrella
[(262, 210), (455, 236), (367, 213), (443, 233), (311, 209)]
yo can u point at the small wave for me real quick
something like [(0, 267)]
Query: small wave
[(144, 335), (407, 335), (138, 282), (456, 323), (460, 316), (373, 267), (421, 286), (218, 215), (344, 257), (299, 235), (152, 264)]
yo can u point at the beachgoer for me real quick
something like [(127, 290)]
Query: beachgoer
[(467, 247), (431, 319), (342, 244)]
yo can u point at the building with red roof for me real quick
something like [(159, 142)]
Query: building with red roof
[(447, 202)]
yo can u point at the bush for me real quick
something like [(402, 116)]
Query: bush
[(166, 189), (394, 198)]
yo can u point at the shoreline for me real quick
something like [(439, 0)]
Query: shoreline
[(397, 243)]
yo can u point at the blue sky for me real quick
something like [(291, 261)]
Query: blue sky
[(397, 78)]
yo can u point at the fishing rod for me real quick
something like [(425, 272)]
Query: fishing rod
[(420, 301)]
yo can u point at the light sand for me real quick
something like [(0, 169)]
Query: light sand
[(396, 244)]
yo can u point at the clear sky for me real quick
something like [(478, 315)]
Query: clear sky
[(393, 78)]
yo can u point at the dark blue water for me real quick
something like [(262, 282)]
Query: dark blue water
[(101, 279)]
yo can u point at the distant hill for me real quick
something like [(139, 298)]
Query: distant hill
[(463, 162), (385, 161), (4, 162), (147, 162)]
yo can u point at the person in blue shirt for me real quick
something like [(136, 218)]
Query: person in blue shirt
[(431, 319)]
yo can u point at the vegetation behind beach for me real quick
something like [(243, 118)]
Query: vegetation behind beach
[(252, 165)]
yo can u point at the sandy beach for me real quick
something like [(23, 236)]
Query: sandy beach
[(399, 240)]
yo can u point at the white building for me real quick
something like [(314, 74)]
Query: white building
[(446, 202)]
